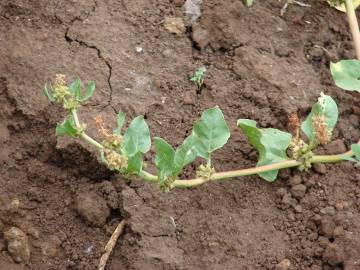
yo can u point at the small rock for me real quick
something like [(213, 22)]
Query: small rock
[(34, 232), (18, 245), (92, 208), (316, 53), (200, 36), (320, 168), (339, 231), (341, 205), (298, 208), (174, 25), (318, 252), (283, 265), (298, 191), (336, 147), (281, 192), (189, 98), (329, 210), (296, 180), (327, 227), (168, 53), (50, 248), (323, 241), (334, 255)]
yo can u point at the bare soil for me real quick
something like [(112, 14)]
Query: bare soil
[(260, 66)]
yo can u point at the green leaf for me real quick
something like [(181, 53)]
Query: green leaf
[(346, 74), (67, 127), (356, 149), (75, 89), (270, 143), (89, 92), (325, 106), (120, 123), (185, 154), (48, 94), (137, 137), (210, 132), (249, 3), (164, 159), (135, 163), (340, 5)]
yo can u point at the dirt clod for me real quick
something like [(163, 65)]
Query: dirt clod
[(334, 255), (283, 265), (174, 25), (296, 180), (17, 245), (298, 191), (320, 168), (92, 208)]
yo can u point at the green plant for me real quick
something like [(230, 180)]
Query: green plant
[(198, 77), (123, 151)]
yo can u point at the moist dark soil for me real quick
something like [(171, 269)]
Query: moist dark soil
[(259, 65)]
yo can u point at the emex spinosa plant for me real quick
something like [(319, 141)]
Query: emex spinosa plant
[(123, 151)]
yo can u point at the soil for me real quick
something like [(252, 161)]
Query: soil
[(259, 65)]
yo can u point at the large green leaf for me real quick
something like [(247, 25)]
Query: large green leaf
[(346, 74), (270, 143), (67, 127), (120, 123), (210, 132), (135, 163), (137, 137), (325, 106), (184, 154), (164, 159)]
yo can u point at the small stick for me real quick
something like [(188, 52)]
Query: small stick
[(111, 244)]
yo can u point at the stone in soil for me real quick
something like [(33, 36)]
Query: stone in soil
[(320, 168), (327, 226), (283, 265), (296, 180), (336, 147), (92, 208), (18, 245), (200, 36), (174, 25)]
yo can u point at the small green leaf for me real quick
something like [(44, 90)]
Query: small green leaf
[(356, 149), (67, 128), (270, 143), (249, 3), (137, 137), (210, 132), (185, 154), (164, 159), (325, 106), (346, 74), (120, 123), (75, 89), (89, 92), (135, 163), (48, 94)]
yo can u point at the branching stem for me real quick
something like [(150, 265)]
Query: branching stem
[(220, 176)]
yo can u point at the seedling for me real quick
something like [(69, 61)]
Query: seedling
[(123, 151), (198, 77)]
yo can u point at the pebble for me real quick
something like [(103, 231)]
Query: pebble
[(339, 231), (320, 168), (323, 241), (51, 248), (333, 255), (168, 53), (200, 36), (174, 25), (329, 210), (18, 245), (327, 227), (296, 180), (298, 191), (298, 208), (341, 205), (283, 265), (92, 208), (316, 53)]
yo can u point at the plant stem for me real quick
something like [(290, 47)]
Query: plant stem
[(354, 26), (222, 175)]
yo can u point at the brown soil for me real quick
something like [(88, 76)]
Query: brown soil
[(260, 66)]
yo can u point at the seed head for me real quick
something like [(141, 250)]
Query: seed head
[(115, 161), (61, 91), (111, 141), (320, 128), (293, 122)]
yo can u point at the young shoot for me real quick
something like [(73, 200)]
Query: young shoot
[(122, 151), (198, 77)]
